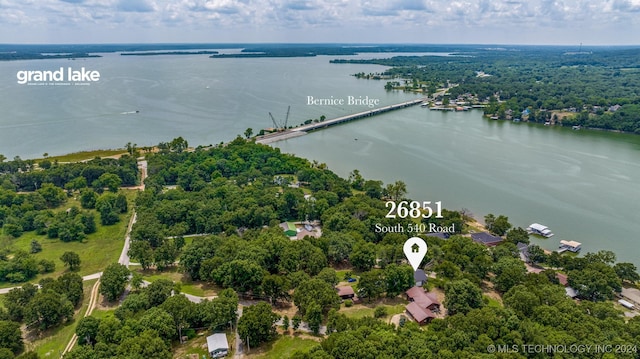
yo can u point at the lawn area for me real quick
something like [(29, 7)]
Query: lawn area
[(492, 302), (366, 310), (198, 345), (55, 340), (284, 347), (96, 251), (186, 285), (86, 155)]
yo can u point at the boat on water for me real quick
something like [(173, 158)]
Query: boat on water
[(540, 230)]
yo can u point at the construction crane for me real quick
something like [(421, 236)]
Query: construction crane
[(280, 126)]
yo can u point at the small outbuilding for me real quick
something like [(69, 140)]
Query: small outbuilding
[(345, 292), (217, 345)]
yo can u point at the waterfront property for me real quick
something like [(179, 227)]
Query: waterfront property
[(217, 345), (538, 229), (486, 239), (572, 246)]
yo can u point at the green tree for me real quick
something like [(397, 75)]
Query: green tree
[(87, 330), (315, 291), (398, 279), (295, 322), (248, 132), (597, 282), (626, 271), (285, 323), (48, 309), (53, 196), (113, 281), (160, 321), (141, 252), (508, 273), (515, 235), (328, 275), (276, 288), (371, 284), (461, 296), (71, 260), (36, 247), (11, 336), (314, 317), (395, 191), (257, 324), (146, 345), (497, 225), (88, 198), (363, 255)]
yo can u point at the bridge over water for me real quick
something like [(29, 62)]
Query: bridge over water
[(304, 129)]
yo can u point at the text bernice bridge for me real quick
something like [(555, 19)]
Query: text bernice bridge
[(302, 130)]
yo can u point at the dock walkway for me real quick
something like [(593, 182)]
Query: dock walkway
[(304, 129)]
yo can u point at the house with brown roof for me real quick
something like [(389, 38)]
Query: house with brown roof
[(420, 315), (345, 292), (423, 299)]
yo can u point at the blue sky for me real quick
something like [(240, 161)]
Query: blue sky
[(591, 22)]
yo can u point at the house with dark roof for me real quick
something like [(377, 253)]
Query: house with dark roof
[(523, 248), (440, 235), (420, 277), (485, 238)]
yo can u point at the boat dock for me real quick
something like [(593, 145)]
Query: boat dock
[(304, 129)]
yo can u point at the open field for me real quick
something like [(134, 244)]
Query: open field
[(56, 339), (96, 251), (86, 155), (283, 347), (187, 286)]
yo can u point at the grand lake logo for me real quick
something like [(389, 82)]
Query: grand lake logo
[(62, 76)]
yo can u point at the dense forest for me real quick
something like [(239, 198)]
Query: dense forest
[(597, 87), (235, 198)]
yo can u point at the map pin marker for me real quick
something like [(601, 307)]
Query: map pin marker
[(415, 249)]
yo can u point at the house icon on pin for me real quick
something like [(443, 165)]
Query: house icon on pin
[(415, 248)]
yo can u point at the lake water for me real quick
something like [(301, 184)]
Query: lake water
[(582, 184)]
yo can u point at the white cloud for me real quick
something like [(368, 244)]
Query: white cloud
[(511, 21)]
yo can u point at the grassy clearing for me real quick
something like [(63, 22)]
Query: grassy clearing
[(358, 311), (85, 155), (198, 345), (53, 341), (284, 347), (96, 251), (186, 284), (491, 302)]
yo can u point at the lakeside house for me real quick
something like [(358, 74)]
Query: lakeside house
[(485, 238), (523, 249), (217, 345), (563, 279)]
